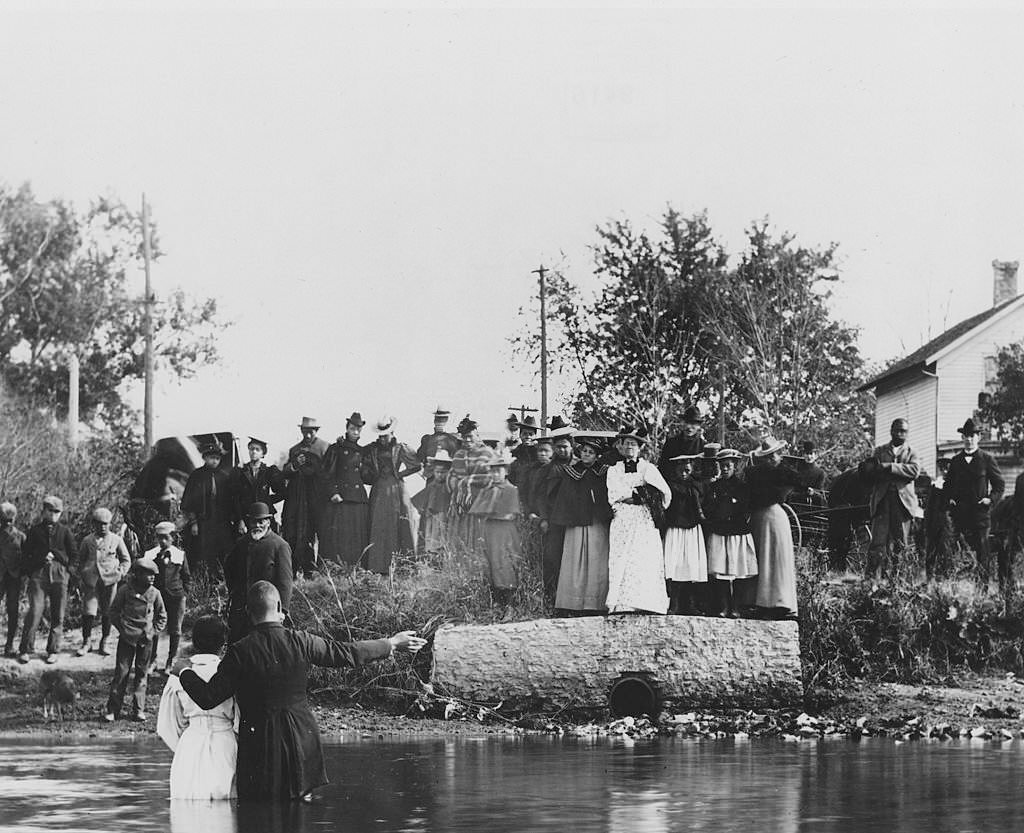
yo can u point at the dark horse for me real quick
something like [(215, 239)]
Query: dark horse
[(849, 496)]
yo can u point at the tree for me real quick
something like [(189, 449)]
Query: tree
[(638, 351), (671, 324), (1003, 409), (795, 367), (64, 288)]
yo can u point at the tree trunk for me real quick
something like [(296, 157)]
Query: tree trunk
[(696, 661)]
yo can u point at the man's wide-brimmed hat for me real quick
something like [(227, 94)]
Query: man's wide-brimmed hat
[(310, 422), (258, 512), (558, 427), (530, 422), (442, 456), (628, 432), (692, 416), (969, 429), (356, 419), (769, 445)]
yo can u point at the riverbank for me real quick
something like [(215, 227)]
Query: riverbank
[(987, 706)]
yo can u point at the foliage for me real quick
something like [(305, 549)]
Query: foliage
[(901, 630), (795, 366), (671, 324), (1004, 408), (35, 460), (639, 349), (65, 287)]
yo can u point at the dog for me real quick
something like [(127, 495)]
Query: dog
[(59, 693)]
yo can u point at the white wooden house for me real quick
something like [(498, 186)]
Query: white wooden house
[(937, 386)]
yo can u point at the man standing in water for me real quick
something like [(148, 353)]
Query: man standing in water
[(279, 752)]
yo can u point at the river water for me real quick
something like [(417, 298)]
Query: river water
[(500, 785)]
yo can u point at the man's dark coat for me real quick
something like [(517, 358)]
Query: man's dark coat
[(269, 559), (967, 483), (279, 753)]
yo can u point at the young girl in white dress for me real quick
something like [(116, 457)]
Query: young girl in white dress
[(205, 743)]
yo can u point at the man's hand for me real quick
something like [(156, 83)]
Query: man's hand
[(407, 642), (984, 501), (49, 558), (194, 527), (335, 498)]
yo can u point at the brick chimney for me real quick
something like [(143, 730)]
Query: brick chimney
[(1004, 281)]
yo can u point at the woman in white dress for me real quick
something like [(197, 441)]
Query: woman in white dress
[(205, 743), (636, 563)]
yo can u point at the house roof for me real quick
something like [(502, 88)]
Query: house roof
[(926, 354)]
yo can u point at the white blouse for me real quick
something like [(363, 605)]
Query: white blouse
[(621, 484)]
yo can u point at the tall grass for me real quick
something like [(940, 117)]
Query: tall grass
[(905, 628)]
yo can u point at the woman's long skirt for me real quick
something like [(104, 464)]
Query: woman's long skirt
[(392, 530), (583, 577), (636, 562), (504, 550), (776, 562), (346, 532), (732, 556), (686, 557)]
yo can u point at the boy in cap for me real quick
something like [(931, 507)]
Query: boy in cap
[(138, 613), (12, 579), (173, 580), (46, 559), (102, 562)]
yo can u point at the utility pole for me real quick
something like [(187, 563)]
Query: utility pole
[(523, 410), (148, 310), (73, 385), (541, 272)]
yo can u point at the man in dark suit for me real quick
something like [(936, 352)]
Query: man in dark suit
[(279, 751), (255, 482), (689, 441), (974, 485), (258, 555), (892, 469)]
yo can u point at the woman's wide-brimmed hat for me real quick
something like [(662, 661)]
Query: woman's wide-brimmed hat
[(711, 450), (769, 445), (442, 456), (628, 432), (728, 454), (590, 442), (213, 448), (356, 419), (969, 429)]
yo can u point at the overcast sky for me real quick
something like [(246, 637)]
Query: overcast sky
[(367, 192)]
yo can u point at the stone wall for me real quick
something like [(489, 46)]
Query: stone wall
[(699, 662)]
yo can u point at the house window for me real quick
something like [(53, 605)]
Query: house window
[(991, 374)]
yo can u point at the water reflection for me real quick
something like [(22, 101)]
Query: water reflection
[(543, 784)]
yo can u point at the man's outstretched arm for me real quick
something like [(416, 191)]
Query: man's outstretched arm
[(212, 692)]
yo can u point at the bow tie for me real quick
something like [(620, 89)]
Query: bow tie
[(631, 466)]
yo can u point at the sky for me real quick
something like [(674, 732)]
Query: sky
[(367, 191)]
